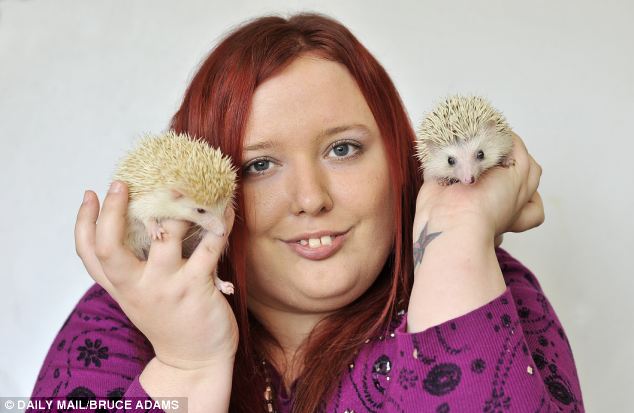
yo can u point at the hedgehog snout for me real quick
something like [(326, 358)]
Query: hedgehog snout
[(213, 223), (218, 227)]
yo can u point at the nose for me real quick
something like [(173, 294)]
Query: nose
[(309, 188)]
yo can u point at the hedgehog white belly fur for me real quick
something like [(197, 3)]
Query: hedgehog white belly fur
[(174, 176), (461, 138)]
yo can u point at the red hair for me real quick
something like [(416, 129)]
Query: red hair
[(216, 107)]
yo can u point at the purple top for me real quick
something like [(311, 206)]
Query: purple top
[(510, 354)]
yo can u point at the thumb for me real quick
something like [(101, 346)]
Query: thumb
[(204, 259)]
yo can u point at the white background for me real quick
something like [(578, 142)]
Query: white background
[(80, 80)]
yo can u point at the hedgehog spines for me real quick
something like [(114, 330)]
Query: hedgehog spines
[(181, 162), (456, 118)]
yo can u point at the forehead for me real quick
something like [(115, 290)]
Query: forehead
[(307, 97)]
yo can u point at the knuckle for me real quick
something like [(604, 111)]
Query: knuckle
[(176, 227), (159, 296), (103, 251), (79, 250), (121, 282), (110, 202), (114, 201), (81, 246), (212, 247), (180, 292), (83, 213), (95, 275)]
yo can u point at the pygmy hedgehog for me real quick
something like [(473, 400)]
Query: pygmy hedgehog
[(461, 138), (174, 176)]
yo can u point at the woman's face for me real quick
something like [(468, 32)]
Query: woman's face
[(314, 165)]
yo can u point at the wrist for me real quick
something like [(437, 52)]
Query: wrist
[(189, 376), (455, 271), (192, 365), (160, 379), (465, 226)]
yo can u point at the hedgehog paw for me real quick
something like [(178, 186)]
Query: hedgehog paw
[(225, 286), (155, 230), (508, 162), (446, 181)]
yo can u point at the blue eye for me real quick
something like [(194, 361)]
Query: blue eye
[(342, 149), (259, 166)]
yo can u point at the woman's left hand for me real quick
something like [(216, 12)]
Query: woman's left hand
[(503, 199)]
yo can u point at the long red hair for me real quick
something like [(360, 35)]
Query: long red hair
[(216, 107)]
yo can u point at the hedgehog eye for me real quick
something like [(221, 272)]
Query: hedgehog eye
[(200, 211), (480, 155), (451, 160)]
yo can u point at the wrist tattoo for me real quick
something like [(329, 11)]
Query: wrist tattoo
[(419, 246)]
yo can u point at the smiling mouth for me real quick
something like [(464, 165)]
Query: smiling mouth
[(317, 242), (318, 248)]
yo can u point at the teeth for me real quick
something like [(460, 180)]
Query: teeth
[(317, 242)]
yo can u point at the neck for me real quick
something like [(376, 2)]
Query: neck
[(290, 329)]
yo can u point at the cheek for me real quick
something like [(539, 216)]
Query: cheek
[(438, 165), (367, 194), (488, 163), (261, 205)]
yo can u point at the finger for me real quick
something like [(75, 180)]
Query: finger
[(117, 261), (534, 176), (519, 150), (520, 155), (165, 256), (531, 216), (204, 259), (85, 227)]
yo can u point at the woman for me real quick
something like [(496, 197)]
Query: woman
[(321, 256)]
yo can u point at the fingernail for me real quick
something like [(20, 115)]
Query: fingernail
[(85, 197), (115, 187)]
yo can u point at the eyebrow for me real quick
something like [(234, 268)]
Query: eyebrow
[(327, 132)]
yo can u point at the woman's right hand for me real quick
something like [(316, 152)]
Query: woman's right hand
[(171, 300)]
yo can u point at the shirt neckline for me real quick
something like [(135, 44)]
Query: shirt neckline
[(278, 385)]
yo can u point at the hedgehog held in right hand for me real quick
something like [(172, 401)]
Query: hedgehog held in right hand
[(173, 176), (461, 138)]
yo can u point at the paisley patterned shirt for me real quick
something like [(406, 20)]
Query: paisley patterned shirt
[(509, 355)]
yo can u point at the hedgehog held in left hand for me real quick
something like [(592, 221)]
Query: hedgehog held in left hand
[(461, 138), (174, 176)]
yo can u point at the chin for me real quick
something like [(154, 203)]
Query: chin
[(329, 282)]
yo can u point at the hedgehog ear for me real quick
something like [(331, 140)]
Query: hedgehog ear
[(490, 126), (176, 194), (432, 147)]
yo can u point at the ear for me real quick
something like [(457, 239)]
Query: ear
[(432, 147), (490, 126), (176, 194)]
